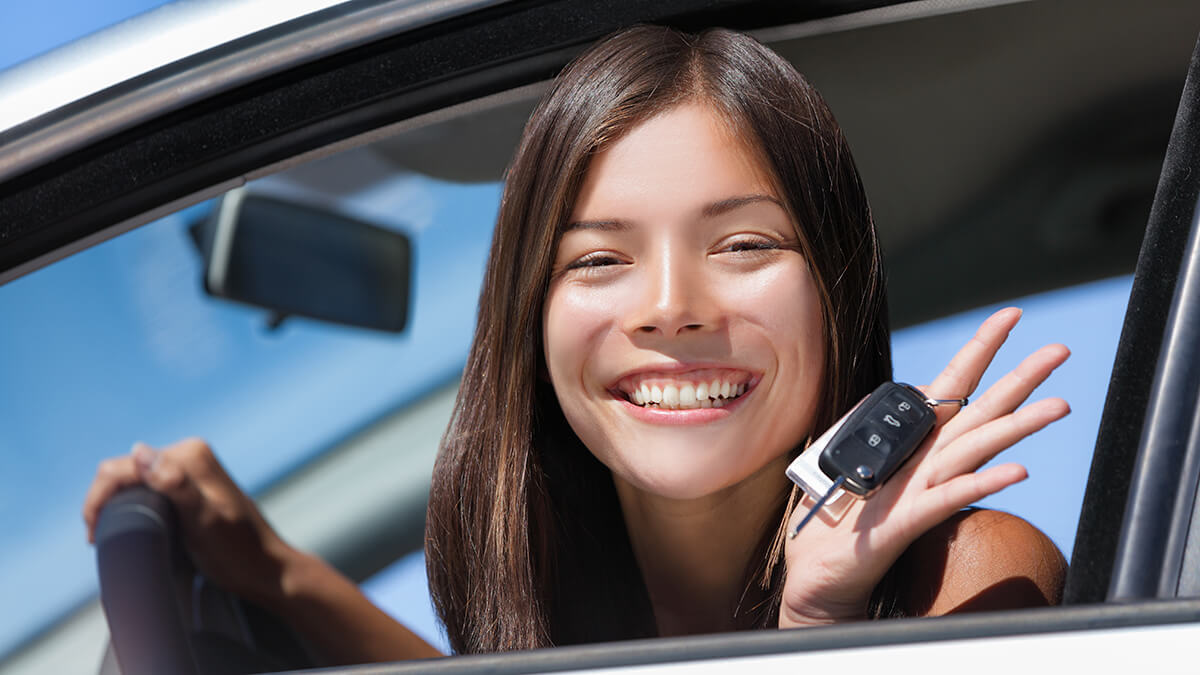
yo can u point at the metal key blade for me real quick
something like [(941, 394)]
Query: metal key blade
[(817, 507)]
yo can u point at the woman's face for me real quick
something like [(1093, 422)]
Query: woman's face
[(682, 327)]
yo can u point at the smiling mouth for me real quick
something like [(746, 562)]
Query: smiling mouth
[(669, 393)]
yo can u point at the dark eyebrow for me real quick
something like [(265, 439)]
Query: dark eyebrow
[(710, 211), (726, 205), (602, 225)]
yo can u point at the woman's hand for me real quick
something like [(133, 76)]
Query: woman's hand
[(833, 568), (226, 534), (234, 546)]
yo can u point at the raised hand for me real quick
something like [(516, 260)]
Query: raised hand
[(832, 568)]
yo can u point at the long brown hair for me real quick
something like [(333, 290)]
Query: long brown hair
[(525, 543)]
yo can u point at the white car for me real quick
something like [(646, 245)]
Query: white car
[(1013, 146)]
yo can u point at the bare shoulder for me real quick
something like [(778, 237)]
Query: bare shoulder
[(982, 560)]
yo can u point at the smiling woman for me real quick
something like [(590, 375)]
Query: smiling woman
[(684, 215)]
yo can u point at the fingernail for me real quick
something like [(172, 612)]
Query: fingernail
[(144, 455)]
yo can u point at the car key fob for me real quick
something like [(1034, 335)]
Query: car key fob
[(864, 448), (877, 437)]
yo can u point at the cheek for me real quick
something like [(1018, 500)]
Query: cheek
[(573, 323), (783, 302), (784, 309)]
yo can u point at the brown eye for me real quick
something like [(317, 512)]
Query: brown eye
[(747, 244), (593, 260)]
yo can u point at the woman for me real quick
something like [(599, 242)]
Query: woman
[(684, 289)]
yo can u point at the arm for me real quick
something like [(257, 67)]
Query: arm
[(234, 546), (977, 560), (338, 620)]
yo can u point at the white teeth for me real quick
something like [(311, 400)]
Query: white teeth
[(687, 396)]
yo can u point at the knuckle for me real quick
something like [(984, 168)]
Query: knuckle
[(197, 445), (110, 469), (167, 477), (194, 455)]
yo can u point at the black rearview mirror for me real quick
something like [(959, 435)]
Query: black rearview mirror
[(294, 259)]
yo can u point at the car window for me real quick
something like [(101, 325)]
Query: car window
[(124, 342)]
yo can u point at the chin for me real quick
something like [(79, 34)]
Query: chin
[(686, 479)]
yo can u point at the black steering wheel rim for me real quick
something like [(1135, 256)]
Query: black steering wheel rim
[(164, 617)]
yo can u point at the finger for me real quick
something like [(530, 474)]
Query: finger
[(958, 493), (978, 446), (1007, 393), (962, 374), (175, 475), (112, 476)]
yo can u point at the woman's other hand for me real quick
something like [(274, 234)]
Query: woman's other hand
[(226, 534), (832, 568)]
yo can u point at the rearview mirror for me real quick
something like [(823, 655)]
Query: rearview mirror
[(298, 260)]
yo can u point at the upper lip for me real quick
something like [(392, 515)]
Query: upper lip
[(680, 370)]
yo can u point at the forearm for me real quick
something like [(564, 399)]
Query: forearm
[(333, 616)]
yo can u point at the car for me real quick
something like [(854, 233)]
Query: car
[(1008, 148)]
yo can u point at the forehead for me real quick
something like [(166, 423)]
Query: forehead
[(687, 153)]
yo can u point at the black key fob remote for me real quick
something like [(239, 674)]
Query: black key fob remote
[(877, 437)]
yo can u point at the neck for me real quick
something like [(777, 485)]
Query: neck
[(694, 553)]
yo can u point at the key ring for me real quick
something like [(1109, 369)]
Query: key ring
[(935, 402)]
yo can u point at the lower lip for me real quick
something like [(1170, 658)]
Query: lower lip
[(683, 417)]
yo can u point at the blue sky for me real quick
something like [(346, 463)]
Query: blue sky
[(30, 28)]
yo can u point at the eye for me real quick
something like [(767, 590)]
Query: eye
[(593, 260), (748, 244)]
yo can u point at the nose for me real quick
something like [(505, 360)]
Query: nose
[(675, 298)]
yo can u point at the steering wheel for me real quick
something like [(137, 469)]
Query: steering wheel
[(164, 617)]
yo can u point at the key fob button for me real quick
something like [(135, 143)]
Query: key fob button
[(875, 439), (902, 407)]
